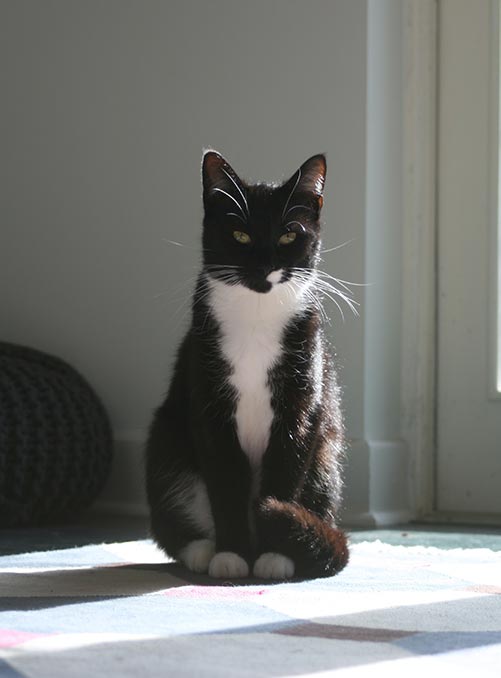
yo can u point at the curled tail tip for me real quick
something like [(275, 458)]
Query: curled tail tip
[(318, 548)]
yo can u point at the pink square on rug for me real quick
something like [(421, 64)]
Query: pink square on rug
[(10, 638), (213, 592)]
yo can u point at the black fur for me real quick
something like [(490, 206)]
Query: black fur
[(193, 434)]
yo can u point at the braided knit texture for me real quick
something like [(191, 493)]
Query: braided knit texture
[(55, 439)]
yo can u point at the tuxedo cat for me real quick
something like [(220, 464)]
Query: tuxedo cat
[(243, 456)]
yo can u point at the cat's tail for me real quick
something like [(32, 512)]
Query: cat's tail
[(317, 548)]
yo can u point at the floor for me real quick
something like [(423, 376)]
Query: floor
[(94, 528)]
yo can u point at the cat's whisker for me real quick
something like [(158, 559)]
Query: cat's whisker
[(222, 269), (338, 247), (291, 290), (188, 247), (331, 282), (173, 242), (318, 305), (329, 290), (238, 189), (339, 307), (326, 278), (230, 281), (227, 277), (329, 296), (328, 275), (308, 290), (198, 297), (340, 280), (220, 190), (183, 308), (329, 287), (343, 285), (349, 300), (177, 290)]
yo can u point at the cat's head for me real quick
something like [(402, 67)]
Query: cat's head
[(259, 235)]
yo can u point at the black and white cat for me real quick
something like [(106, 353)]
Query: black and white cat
[(243, 456)]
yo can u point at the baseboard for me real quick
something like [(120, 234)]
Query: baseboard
[(376, 481), (357, 519), (124, 492), (116, 508), (374, 519), (377, 484)]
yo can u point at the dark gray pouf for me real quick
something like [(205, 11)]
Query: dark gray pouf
[(55, 439)]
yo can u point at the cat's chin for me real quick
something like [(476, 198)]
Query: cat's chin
[(262, 286)]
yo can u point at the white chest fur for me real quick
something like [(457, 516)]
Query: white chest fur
[(252, 327)]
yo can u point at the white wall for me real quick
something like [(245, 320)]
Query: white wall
[(107, 107)]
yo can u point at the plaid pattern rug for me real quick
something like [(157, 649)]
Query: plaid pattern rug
[(124, 610)]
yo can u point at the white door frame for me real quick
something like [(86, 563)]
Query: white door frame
[(420, 34), (468, 459), (418, 381), (494, 330)]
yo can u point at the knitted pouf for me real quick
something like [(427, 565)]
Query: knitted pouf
[(55, 439)]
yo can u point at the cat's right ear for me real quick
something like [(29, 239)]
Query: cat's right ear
[(221, 184)]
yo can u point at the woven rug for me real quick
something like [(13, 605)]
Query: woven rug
[(124, 610)]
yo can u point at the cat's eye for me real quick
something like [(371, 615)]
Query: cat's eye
[(241, 237), (287, 238)]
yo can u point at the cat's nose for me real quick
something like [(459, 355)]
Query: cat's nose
[(275, 276), (263, 271)]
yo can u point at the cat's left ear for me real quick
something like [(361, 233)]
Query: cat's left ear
[(309, 181), (220, 181)]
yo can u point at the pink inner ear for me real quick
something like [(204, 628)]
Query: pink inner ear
[(319, 185), (212, 163), (314, 171), (218, 172)]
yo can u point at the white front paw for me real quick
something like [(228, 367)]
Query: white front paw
[(197, 555), (273, 566), (228, 564)]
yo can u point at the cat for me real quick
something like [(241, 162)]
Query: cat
[(243, 456)]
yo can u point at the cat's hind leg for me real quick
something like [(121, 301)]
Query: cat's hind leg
[(197, 555), (181, 517), (184, 528), (182, 523)]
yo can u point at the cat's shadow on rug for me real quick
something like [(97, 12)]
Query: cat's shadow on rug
[(38, 590)]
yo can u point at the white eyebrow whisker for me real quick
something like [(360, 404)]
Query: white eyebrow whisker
[(238, 188), (295, 222), (220, 190), (295, 207), (291, 193), (234, 214)]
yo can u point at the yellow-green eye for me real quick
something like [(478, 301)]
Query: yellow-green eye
[(287, 238), (241, 237)]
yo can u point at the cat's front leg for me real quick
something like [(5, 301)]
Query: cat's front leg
[(296, 532), (228, 480)]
